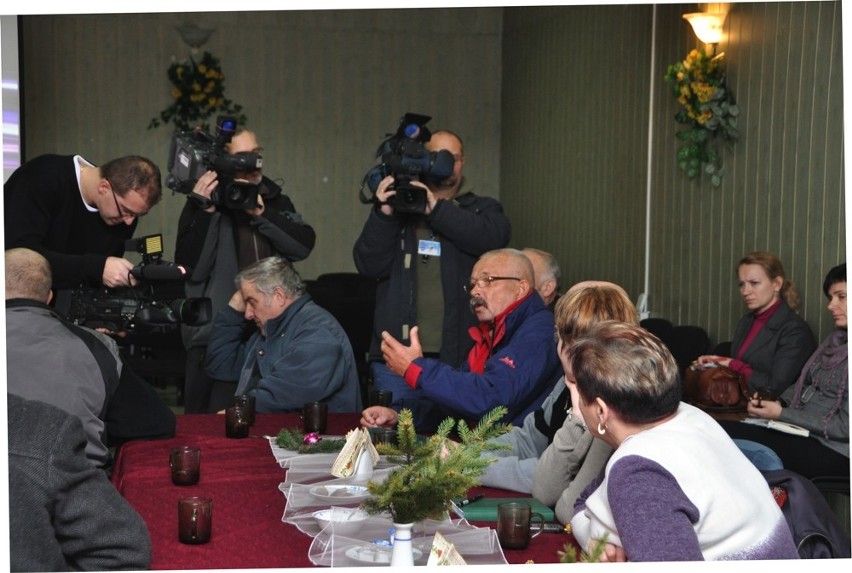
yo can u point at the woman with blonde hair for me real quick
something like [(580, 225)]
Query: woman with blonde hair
[(676, 487), (772, 342), (818, 401), (574, 459)]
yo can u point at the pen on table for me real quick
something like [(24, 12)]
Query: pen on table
[(456, 506), (464, 502)]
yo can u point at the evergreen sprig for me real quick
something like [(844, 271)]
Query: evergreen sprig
[(569, 555), (294, 440), (433, 472)]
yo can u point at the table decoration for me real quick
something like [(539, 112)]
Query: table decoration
[(431, 474), (310, 443), (198, 93), (570, 553), (444, 552), (303, 499), (708, 113), (358, 456), (330, 548), (316, 468), (244, 479)]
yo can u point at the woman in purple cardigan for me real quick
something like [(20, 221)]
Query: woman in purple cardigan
[(676, 487)]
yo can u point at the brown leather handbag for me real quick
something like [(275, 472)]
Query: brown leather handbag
[(715, 387)]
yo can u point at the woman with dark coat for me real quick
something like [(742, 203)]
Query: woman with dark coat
[(772, 342), (818, 402)]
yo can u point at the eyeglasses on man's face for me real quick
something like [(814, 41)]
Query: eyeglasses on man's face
[(484, 282), (123, 212)]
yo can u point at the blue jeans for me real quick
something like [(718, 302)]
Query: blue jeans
[(403, 395)]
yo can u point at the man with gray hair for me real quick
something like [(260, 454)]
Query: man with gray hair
[(299, 352), (547, 274)]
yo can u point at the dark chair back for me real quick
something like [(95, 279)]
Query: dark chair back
[(722, 349), (662, 329), (690, 343), (351, 299)]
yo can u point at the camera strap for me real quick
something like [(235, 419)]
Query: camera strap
[(201, 200)]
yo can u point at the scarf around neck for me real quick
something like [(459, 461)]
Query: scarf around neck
[(829, 356)]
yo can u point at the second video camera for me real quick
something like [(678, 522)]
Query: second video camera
[(404, 156), (192, 153), (149, 307)]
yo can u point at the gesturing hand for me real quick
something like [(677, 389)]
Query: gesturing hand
[(397, 355)]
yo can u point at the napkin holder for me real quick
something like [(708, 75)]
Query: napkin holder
[(358, 456)]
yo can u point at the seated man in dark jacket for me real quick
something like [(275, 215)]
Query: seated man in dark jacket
[(74, 368), (513, 362), (299, 352), (64, 515)]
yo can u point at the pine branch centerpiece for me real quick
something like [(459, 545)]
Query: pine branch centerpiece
[(294, 440), (434, 472)]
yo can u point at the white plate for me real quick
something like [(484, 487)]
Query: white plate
[(343, 520), (375, 554), (340, 492)]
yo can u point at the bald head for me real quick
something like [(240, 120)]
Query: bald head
[(512, 262), (499, 279), (28, 275), (547, 273)]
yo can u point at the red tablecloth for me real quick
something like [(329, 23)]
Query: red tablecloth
[(242, 477)]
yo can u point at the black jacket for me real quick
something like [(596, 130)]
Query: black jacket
[(816, 530), (468, 226), (778, 352)]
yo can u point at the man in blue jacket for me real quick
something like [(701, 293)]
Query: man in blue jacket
[(513, 361), (299, 352), (420, 261)]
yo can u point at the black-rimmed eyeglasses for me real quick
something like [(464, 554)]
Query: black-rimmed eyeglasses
[(123, 212), (486, 281)]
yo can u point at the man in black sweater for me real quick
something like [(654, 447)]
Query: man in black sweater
[(78, 216)]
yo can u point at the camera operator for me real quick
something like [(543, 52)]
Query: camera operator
[(78, 216), (421, 283), (217, 242)]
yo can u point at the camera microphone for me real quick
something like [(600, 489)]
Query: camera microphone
[(160, 272)]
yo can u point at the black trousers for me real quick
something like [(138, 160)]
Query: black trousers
[(805, 456)]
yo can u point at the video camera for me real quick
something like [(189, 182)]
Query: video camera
[(147, 308), (404, 156), (192, 153)]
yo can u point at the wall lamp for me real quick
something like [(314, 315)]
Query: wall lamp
[(194, 36), (707, 25)]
